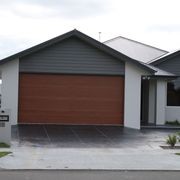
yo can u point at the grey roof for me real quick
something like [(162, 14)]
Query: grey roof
[(135, 49), (160, 72), (80, 35), (164, 57)]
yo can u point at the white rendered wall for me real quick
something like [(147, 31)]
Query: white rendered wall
[(5, 128), (172, 113), (10, 83), (132, 99), (161, 101), (152, 101)]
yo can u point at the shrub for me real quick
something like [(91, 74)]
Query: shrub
[(171, 140), (4, 145), (173, 123)]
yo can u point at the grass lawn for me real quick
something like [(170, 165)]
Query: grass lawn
[(177, 154), (4, 145), (2, 154)]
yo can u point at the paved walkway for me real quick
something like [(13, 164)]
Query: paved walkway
[(89, 147)]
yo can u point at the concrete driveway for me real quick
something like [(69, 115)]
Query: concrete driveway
[(87, 136), (89, 147)]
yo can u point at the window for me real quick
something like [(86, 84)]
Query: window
[(173, 93)]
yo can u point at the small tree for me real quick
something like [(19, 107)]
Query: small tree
[(172, 140)]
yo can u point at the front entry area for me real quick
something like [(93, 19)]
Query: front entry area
[(144, 101), (148, 101), (71, 99)]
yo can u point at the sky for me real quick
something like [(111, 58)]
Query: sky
[(24, 23)]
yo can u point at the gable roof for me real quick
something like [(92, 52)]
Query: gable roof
[(135, 49), (80, 35), (164, 57)]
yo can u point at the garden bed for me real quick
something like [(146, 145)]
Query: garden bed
[(169, 147)]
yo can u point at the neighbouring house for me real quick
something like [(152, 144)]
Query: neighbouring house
[(74, 79)]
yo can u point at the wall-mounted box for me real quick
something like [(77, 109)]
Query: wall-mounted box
[(4, 118)]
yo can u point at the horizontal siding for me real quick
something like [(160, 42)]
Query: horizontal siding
[(71, 56)]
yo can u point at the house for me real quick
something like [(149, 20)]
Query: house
[(74, 79), (134, 49)]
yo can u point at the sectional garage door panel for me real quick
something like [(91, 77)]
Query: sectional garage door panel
[(71, 99)]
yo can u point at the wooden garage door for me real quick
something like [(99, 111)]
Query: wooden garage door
[(71, 99)]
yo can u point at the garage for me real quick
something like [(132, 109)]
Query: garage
[(73, 79), (70, 99)]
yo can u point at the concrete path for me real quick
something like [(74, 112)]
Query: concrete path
[(89, 175), (78, 158), (134, 150)]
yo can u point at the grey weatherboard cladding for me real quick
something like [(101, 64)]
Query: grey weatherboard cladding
[(71, 56)]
